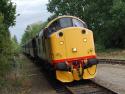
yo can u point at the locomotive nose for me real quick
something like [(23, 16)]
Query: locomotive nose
[(74, 42)]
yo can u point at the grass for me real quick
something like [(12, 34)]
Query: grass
[(15, 79)]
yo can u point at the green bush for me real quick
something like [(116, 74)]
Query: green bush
[(99, 48)]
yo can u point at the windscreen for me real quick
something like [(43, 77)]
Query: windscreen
[(65, 22)]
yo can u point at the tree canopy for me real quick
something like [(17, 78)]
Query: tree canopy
[(31, 31), (8, 10), (105, 17), (7, 19)]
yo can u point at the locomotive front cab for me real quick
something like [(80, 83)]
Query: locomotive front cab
[(72, 49)]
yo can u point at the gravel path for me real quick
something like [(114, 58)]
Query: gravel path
[(26, 78), (112, 77), (36, 82)]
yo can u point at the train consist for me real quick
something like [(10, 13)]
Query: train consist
[(68, 46)]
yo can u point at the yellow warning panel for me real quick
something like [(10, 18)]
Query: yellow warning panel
[(64, 76), (89, 72)]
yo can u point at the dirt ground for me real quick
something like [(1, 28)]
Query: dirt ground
[(117, 54), (26, 78)]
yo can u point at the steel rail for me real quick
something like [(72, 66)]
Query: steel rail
[(111, 61), (86, 87)]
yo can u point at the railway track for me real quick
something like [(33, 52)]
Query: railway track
[(82, 87), (87, 87), (111, 61), (76, 87)]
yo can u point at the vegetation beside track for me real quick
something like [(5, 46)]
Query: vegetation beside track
[(11, 80), (26, 78), (17, 81), (7, 47)]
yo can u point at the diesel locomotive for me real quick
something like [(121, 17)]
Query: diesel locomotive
[(68, 46)]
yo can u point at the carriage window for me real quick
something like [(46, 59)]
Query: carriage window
[(65, 22), (78, 23)]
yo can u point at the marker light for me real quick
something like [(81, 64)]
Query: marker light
[(83, 31), (85, 40), (60, 34), (74, 49)]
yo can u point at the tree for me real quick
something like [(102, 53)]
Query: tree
[(31, 31), (7, 19), (15, 39), (15, 46), (104, 17), (5, 50), (8, 10)]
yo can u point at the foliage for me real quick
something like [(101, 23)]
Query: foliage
[(32, 30), (7, 19), (15, 46), (8, 10), (104, 17), (51, 17), (5, 50)]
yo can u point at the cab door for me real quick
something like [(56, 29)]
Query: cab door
[(46, 44)]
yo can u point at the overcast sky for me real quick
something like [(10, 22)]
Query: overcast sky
[(31, 11)]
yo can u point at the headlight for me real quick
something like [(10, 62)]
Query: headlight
[(61, 42), (74, 49), (85, 40)]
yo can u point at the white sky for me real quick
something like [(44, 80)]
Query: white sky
[(30, 11)]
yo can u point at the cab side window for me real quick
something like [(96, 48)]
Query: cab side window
[(55, 26)]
